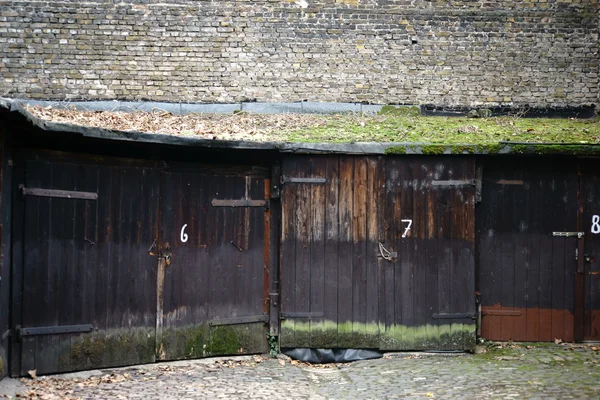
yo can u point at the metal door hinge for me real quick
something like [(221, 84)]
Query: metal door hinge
[(569, 234)]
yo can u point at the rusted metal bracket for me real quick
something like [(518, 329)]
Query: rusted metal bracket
[(64, 194), (239, 320), (54, 330), (240, 203), (298, 315), (285, 179)]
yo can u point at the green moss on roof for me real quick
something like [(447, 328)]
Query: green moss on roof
[(409, 132), (390, 127)]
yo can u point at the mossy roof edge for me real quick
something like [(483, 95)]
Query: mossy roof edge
[(366, 148)]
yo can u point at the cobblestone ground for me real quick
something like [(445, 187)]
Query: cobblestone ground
[(523, 371)]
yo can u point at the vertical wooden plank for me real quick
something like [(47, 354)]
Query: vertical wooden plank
[(406, 269), (35, 279), (390, 307), (103, 247), (431, 198), (467, 254), (332, 226), (419, 230), (288, 254), (521, 232), (63, 286), (570, 261), (533, 259), (303, 227), (375, 217), (359, 238), (346, 252), (546, 246), (447, 207), (507, 227), (7, 174), (317, 253), (18, 259)]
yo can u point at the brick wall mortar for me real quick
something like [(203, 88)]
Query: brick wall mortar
[(475, 53)]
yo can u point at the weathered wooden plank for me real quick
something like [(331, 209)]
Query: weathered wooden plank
[(520, 224), (406, 269), (546, 245), (303, 227), (376, 197), (419, 232), (345, 252), (288, 253), (332, 232), (387, 283), (359, 238), (433, 245), (102, 248), (508, 223), (35, 279), (317, 252), (533, 260), (446, 207)]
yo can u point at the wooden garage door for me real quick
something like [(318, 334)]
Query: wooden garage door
[(85, 295)]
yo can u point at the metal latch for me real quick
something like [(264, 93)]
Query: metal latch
[(569, 234)]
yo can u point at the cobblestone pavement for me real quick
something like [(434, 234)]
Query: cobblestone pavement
[(523, 371)]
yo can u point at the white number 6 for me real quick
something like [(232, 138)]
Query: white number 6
[(183, 235), (596, 224)]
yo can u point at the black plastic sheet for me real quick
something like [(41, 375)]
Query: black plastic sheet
[(324, 356)]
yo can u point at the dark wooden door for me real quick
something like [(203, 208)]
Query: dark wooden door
[(85, 295), (591, 257), (214, 265), (526, 274), (428, 280), (332, 208)]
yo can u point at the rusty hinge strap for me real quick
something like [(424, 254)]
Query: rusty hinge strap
[(55, 330), (239, 203), (239, 320), (286, 179), (64, 194), (293, 315), (467, 182), (455, 316)]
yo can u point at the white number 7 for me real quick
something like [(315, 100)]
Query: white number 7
[(409, 221)]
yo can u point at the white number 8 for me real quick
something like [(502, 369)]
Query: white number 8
[(183, 235), (596, 224)]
